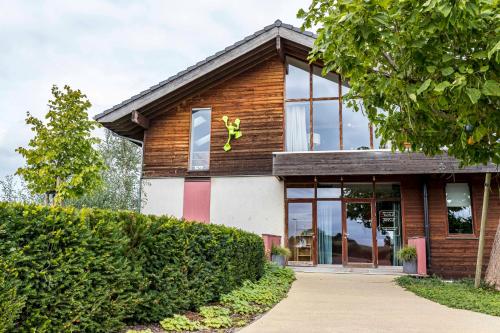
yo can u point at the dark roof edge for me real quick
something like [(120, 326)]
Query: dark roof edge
[(276, 24)]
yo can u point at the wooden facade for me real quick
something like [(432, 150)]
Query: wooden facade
[(255, 96), (248, 82)]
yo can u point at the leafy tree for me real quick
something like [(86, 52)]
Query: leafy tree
[(14, 189), (431, 65), (121, 177), (61, 159)]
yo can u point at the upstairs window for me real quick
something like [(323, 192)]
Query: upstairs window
[(316, 117), (199, 148), (458, 203)]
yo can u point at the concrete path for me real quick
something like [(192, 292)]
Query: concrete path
[(320, 302)]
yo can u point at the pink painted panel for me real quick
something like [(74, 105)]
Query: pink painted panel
[(419, 244), (269, 241), (196, 205)]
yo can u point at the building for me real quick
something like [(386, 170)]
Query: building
[(306, 168)]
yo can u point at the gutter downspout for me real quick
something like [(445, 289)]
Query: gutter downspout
[(426, 225)]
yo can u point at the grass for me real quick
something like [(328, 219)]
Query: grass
[(459, 294)]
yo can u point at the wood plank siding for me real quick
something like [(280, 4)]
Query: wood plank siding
[(451, 255), (255, 96)]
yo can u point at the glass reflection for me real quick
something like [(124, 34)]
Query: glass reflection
[(388, 232), (326, 134), (458, 203), (299, 192), (325, 86), (359, 233), (297, 79), (358, 190), (300, 231), (326, 190), (355, 128)]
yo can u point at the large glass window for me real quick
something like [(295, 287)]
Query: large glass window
[(297, 79), (325, 86), (199, 150), (458, 202), (314, 119), (326, 125)]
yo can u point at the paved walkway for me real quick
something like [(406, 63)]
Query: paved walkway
[(320, 302)]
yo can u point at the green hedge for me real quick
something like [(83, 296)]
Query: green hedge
[(68, 270)]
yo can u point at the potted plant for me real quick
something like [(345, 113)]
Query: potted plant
[(409, 257), (279, 254)]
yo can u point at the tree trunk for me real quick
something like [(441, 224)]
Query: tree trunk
[(493, 271), (482, 230)]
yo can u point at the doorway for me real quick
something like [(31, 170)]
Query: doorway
[(358, 233)]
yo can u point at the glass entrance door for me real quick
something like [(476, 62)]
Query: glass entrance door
[(358, 233), (301, 240), (329, 217)]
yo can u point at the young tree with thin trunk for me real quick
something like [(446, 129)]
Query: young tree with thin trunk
[(432, 66), (61, 160)]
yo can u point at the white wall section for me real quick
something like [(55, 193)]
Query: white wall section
[(254, 204), (163, 196)]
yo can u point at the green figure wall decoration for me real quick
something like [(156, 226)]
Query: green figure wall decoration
[(233, 130)]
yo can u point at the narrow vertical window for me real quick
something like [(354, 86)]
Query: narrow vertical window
[(458, 203), (199, 152)]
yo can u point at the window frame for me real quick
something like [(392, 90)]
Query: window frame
[(449, 235), (189, 166), (312, 99)]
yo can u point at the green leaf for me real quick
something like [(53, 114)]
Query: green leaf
[(447, 57), (494, 49), (442, 86), (431, 69), (479, 133), (445, 9), (413, 97), (474, 94), (483, 69), (447, 71), (424, 86), (491, 88)]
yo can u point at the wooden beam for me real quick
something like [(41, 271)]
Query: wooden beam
[(140, 120), (279, 48)]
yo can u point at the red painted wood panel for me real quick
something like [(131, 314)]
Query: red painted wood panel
[(196, 205)]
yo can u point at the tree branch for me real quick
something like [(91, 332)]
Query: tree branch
[(390, 60)]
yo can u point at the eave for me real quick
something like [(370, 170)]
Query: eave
[(368, 162)]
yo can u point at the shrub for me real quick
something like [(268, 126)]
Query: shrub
[(179, 323), (281, 251), (94, 270), (215, 316), (408, 253)]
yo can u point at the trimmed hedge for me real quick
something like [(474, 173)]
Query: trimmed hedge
[(68, 270)]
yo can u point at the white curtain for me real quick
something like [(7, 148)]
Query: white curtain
[(296, 128), (325, 232)]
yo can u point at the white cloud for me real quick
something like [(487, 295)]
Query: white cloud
[(110, 50)]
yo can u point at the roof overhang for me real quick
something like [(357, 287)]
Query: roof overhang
[(368, 162), (276, 39)]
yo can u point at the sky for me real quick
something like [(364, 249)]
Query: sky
[(110, 50)]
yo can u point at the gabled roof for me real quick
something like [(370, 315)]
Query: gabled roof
[(270, 41)]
